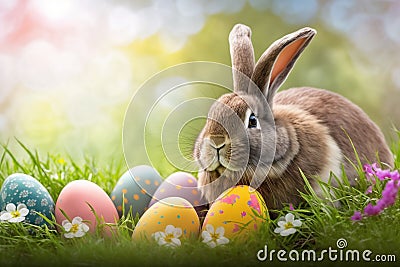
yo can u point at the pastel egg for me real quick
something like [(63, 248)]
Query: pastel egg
[(78, 198), (239, 210), (20, 188), (174, 211), (134, 189), (184, 185)]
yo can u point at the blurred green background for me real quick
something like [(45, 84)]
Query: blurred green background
[(68, 69)]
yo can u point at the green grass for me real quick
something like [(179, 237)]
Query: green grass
[(323, 225)]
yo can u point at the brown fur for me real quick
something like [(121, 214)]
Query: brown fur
[(307, 150), (314, 129), (242, 54), (345, 122), (264, 75)]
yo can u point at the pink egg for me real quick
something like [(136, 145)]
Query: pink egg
[(74, 200)]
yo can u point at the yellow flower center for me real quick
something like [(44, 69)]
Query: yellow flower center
[(288, 225), (168, 238), (74, 228), (214, 236), (15, 214)]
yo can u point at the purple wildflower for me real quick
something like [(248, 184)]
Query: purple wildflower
[(395, 176), (371, 210), (389, 193), (374, 170), (291, 207), (382, 174), (368, 169), (356, 216), (369, 190)]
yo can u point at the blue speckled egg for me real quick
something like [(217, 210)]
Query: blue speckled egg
[(135, 189), (20, 188)]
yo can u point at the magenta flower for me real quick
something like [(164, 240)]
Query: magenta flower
[(389, 193), (395, 176), (382, 174), (374, 170), (369, 171), (369, 190), (357, 216), (371, 210), (291, 207)]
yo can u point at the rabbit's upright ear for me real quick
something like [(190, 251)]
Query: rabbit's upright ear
[(242, 56), (277, 61)]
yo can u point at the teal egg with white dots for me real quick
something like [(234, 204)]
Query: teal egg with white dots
[(135, 189), (23, 189)]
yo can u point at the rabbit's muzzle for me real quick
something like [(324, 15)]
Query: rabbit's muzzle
[(215, 153)]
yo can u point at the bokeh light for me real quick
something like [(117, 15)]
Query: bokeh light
[(69, 68)]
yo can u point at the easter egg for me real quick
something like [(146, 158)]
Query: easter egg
[(20, 188), (239, 210), (184, 185), (174, 211), (78, 198), (134, 189)]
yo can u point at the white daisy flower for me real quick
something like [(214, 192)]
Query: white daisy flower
[(76, 228), (170, 237), (287, 225), (14, 214), (1, 213), (214, 238)]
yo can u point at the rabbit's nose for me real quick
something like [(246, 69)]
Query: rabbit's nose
[(217, 141)]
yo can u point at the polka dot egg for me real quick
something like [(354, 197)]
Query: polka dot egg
[(184, 185), (20, 188), (174, 211), (134, 189), (239, 210)]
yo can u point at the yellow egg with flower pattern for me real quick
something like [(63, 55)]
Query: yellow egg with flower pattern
[(239, 211)]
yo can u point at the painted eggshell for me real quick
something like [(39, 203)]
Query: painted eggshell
[(20, 188), (135, 189), (184, 185), (239, 210), (174, 211), (74, 200)]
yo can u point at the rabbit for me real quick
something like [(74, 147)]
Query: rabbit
[(315, 129)]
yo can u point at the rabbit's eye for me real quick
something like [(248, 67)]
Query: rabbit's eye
[(252, 121)]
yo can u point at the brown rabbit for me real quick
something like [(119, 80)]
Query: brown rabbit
[(309, 129)]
